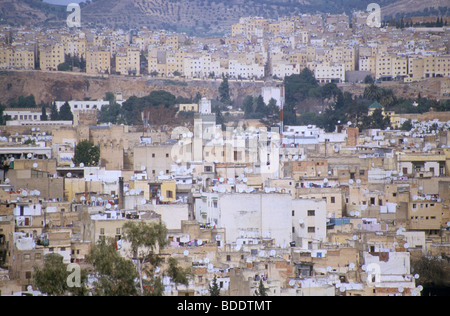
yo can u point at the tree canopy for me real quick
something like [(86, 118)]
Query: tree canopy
[(86, 153)]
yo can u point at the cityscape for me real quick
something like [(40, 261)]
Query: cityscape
[(291, 155)]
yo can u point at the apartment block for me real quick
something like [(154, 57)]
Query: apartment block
[(51, 56), (98, 61)]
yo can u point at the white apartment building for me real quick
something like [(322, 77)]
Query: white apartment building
[(249, 217), (283, 68), (237, 69), (325, 73), (84, 105), (27, 115), (200, 66)]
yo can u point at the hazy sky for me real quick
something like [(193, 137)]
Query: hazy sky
[(63, 2)]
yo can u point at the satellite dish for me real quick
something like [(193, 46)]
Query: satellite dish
[(35, 165), (329, 269), (143, 201), (143, 168), (416, 276), (69, 174), (72, 165), (350, 181), (355, 237), (82, 198), (108, 206), (301, 221), (351, 265), (292, 282), (81, 165), (206, 260), (200, 242), (157, 269), (161, 197), (186, 252)]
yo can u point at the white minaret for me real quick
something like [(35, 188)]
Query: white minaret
[(204, 106)]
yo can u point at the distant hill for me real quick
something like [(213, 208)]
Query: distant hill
[(30, 13), (197, 17)]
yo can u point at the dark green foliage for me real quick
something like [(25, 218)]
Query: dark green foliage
[(115, 275), (261, 291), (224, 92), (44, 116), (214, 289), (134, 106), (65, 113), (54, 115), (86, 153), (52, 278), (24, 102)]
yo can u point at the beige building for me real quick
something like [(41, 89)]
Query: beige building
[(51, 56), (98, 61), (128, 61)]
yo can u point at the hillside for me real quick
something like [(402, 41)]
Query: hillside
[(30, 13), (195, 17)]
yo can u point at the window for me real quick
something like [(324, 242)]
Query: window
[(311, 213), (102, 231), (293, 213), (333, 199), (311, 229)]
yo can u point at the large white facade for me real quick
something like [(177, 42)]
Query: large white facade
[(250, 217)]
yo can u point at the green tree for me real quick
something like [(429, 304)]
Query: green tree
[(145, 239), (368, 79), (224, 92), (111, 113), (54, 114), (433, 272), (261, 291), (52, 278), (115, 275), (260, 106), (214, 289), (86, 153), (247, 106), (64, 67), (65, 113), (24, 102), (177, 273), (44, 116), (406, 126)]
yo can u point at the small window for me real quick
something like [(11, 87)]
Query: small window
[(311, 213)]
